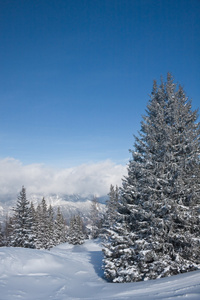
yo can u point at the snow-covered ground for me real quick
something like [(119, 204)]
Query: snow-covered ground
[(74, 272)]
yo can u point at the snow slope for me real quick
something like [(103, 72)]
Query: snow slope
[(74, 272)]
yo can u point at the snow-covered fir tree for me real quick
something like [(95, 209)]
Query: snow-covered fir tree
[(1, 236), (118, 247), (112, 206), (116, 239), (111, 213), (76, 235), (8, 230), (44, 226), (51, 228), (22, 222), (38, 218), (157, 230), (60, 228), (33, 224)]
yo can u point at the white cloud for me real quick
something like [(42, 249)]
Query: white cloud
[(84, 179)]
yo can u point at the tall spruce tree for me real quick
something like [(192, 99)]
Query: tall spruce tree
[(22, 223), (1, 236), (75, 232), (60, 228), (38, 221), (159, 208), (33, 224), (51, 228), (8, 230), (42, 224), (111, 212), (112, 205)]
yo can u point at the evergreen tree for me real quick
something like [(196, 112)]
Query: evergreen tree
[(42, 224), (159, 209), (38, 221), (111, 213), (118, 247), (112, 206), (75, 233), (1, 236), (60, 228), (8, 230), (33, 224), (22, 232), (51, 228)]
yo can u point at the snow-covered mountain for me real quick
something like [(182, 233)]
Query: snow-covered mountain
[(69, 204)]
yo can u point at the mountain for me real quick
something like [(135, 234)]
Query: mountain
[(69, 204)]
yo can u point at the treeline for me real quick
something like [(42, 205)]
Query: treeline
[(39, 227)]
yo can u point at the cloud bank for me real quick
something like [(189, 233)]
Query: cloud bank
[(39, 179)]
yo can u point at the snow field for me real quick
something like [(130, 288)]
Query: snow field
[(74, 272)]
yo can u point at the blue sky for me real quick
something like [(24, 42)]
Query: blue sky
[(75, 75)]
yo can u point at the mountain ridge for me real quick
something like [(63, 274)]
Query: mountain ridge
[(69, 204)]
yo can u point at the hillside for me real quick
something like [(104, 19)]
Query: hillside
[(74, 272)]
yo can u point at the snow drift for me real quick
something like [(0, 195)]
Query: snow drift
[(74, 272)]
